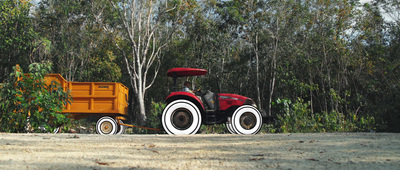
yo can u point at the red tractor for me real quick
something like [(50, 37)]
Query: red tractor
[(186, 111)]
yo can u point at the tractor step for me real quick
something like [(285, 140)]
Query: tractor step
[(211, 118)]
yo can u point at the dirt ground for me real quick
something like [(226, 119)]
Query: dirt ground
[(262, 151)]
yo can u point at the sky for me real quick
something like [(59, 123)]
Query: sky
[(364, 1), (386, 17)]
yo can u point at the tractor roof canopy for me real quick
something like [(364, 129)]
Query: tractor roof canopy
[(185, 72)]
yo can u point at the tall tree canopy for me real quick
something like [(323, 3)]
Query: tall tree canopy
[(338, 57)]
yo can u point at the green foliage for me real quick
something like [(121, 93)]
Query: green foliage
[(154, 118), (28, 102), (78, 46), (16, 35), (213, 129), (340, 57), (297, 117), (268, 128)]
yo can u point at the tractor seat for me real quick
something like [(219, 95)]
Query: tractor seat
[(210, 100)]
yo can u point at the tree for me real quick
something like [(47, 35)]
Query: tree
[(16, 35), (378, 49), (76, 44), (146, 27)]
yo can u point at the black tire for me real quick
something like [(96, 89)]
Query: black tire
[(229, 126), (181, 117), (106, 126), (246, 120), (56, 130), (121, 128)]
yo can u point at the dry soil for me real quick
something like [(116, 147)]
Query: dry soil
[(262, 151)]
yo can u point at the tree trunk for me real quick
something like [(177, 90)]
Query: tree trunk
[(142, 109), (258, 74), (273, 67)]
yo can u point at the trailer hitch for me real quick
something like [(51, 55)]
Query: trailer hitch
[(134, 126)]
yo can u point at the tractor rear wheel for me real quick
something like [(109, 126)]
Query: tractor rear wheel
[(106, 126), (246, 120), (181, 117)]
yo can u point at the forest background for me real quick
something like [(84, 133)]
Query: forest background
[(313, 65)]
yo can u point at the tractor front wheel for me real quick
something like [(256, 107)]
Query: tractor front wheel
[(229, 126), (181, 117), (246, 120)]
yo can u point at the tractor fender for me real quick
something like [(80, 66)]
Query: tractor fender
[(231, 109), (187, 96)]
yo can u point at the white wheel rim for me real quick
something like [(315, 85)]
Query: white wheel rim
[(56, 130), (171, 109), (230, 128), (236, 120), (106, 126)]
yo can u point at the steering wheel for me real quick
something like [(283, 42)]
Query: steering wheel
[(199, 92)]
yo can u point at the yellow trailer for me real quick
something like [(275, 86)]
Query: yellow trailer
[(107, 100)]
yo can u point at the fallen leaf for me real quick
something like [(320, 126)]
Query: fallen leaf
[(312, 159), (102, 163), (312, 141), (258, 155), (151, 146), (75, 136), (290, 149), (155, 151), (256, 159), (301, 141)]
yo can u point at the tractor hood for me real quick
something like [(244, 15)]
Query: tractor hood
[(227, 100), (232, 96)]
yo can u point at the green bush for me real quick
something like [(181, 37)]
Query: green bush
[(297, 117), (27, 103), (154, 119), (213, 129)]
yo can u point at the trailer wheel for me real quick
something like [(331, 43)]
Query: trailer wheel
[(229, 126), (56, 130), (121, 128), (181, 117), (106, 126), (246, 120)]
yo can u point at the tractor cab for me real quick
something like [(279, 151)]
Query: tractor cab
[(207, 98), (175, 73), (187, 110)]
